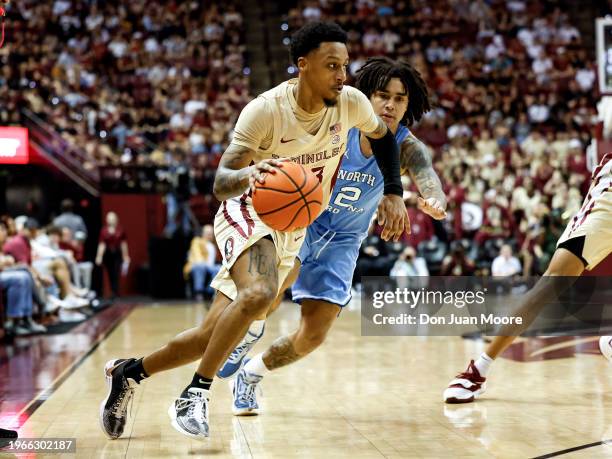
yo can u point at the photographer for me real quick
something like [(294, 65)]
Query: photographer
[(177, 199), (457, 263)]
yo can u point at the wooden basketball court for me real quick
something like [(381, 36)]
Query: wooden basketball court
[(357, 397)]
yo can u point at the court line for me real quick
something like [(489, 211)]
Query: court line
[(575, 448), (36, 402)]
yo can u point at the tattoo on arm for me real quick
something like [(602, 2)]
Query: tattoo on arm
[(280, 353), (416, 160), (380, 130), (232, 177)]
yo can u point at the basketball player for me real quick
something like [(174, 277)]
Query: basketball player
[(306, 120), (586, 241), (328, 257)]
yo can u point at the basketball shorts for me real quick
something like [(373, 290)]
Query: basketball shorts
[(593, 225), (237, 227), (328, 263)]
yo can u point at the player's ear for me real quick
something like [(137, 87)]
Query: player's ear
[(302, 63)]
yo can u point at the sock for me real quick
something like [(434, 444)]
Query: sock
[(134, 370), (483, 363), (200, 382), (256, 366), (255, 330)]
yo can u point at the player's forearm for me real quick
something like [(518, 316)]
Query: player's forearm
[(232, 176), (387, 155), (416, 160), (230, 183)]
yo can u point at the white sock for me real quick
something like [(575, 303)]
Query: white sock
[(256, 366), (483, 363), (255, 330)]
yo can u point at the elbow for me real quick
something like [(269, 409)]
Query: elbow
[(217, 192)]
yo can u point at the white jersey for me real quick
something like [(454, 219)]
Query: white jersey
[(600, 186), (274, 126), (593, 222)]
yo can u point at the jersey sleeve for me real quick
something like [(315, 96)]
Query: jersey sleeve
[(361, 111), (254, 126)]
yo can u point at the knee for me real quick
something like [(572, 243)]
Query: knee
[(256, 299), (309, 339)]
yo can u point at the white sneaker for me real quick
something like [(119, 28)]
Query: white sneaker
[(82, 292), (74, 302), (466, 386), (54, 303), (605, 346), (66, 315), (189, 413), (35, 327)]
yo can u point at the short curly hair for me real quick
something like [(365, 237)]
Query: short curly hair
[(310, 37), (376, 73)]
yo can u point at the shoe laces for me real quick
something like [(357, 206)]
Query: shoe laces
[(471, 374), (196, 405), (247, 389), (125, 398), (237, 353)]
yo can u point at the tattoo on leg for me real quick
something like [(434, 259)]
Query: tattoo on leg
[(259, 262), (280, 353)]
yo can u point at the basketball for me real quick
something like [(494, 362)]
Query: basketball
[(289, 199)]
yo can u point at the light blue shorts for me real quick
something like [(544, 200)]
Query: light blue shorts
[(328, 263)]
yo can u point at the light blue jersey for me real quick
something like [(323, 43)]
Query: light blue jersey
[(358, 189), (332, 241)]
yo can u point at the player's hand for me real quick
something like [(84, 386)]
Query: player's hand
[(257, 172), (432, 207), (393, 217)]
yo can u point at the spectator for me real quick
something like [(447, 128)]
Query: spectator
[(201, 263), (50, 260), (505, 264), (457, 263), (68, 219), (82, 273), (18, 286), (409, 266), (177, 199), (113, 252)]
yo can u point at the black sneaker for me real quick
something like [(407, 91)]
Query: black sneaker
[(189, 413), (113, 409)]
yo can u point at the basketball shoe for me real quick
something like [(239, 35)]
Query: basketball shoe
[(236, 359), (466, 386), (605, 346), (189, 413), (243, 390), (113, 409)]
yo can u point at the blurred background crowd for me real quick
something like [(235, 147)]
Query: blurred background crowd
[(160, 84)]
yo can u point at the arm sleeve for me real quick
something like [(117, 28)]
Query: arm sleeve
[(362, 113), (254, 126), (386, 152)]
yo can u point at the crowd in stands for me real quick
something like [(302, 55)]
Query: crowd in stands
[(127, 82), (161, 83), (514, 94), (45, 279)]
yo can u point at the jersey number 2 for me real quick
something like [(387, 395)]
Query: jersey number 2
[(347, 193)]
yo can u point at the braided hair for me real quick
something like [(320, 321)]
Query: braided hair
[(378, 71)]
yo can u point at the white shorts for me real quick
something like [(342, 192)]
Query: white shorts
[(237, 227), (594, 222)]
